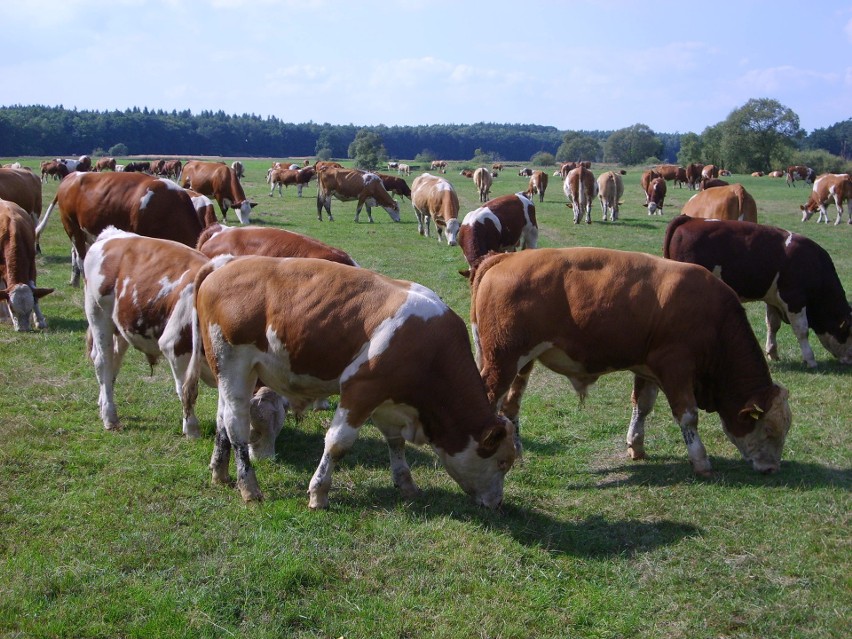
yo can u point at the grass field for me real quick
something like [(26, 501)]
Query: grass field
[(120, 534)]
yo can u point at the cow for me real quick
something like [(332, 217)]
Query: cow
[(581, 189), (500, 225), (286, 177), (710, 171), (497, 166), (837, 187), (220, 182), (203, 206), (19, 295), (351, 184), (757, 174), (693, 175), (53, 168), (138, 167), (565, 168), (391, 350), (538, 184), (468, 173), (645, 182), (709, 183), (730, 202), (525, 172), (483, 180), (440, 165), (393, 165), (219, 239), (791, 273), (610, 191), (567, 308), (23, 187), (776, 174), (724, 173), (172, 169), (157, 167), (656, 196), (404, 169), (239, 169), (104, 164), (396, 185), (15, 165), (672, 173), (434, 198), (800, 172), (140, 293), (143, 204)]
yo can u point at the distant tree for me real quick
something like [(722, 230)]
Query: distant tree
[(632, 145), (690, 149), (755, 134), (578, 146), (324, 154), (711, 145), (367, 149), (118, 150), (481, 157), (836, 139), (426, 156), (543, 158)]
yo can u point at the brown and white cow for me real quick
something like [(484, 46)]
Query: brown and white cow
[(645, 181), (134, 202), (538, 184), (351, 184), (285, 177), (497, 166), (391, 349), (23, 187), (435, 198), (440, 165), (656, 196), (776, 174), (239, 169), (404, 169), (792, 274), (220, 182), (203, 207), (19, 295), (800, 172), (581, 189), (140, 293), (693, 175), (710, 171), (610, 191), (566, 167), (566, 308), (483, 180), (500, 225), (758, 174), (468, 173), (104, 164), (525, 172), (730, 202), (396, 185), (829, 186), (172, 169)]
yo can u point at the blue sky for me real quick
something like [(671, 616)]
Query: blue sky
[(573, 64)]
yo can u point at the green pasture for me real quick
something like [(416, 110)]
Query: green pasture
[(120, 534)]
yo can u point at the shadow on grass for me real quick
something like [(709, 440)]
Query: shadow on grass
[(66, 325), (825, 366)]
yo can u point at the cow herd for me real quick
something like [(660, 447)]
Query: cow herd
[(276, 320)]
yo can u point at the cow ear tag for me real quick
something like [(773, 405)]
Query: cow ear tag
[(755, 412)]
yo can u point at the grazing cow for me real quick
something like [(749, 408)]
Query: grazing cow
[(710, 171), (239, 169), (645, 181), (500, 225), (836, 186), (396, 185), (19, 295), (497, 166), (709, 183), (137, 167), (483, 180), (525, 172), (468, 173), (219, 239), (440, 165), (435, 198), (104, 164), (581, 189), (393, 165), (610, 191), (220, 182), (672, 173), (351, 184), (143, 204), (157, 167), (730, 202), (800, 172), (656, 196), (172, 169), (23, 187), (791, 273), (404, 169), (538, 184), (693, 175), (286, 177), (776, 174), (567, 308), (53, 168), (390, 351)]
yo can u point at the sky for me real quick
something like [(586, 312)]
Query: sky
[(574, 65)]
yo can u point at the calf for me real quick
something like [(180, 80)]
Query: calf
[(435, 198), (19, 295), (581, 189), (351, 184), (610, 191), (500, 225), (837, 187), (730, 202), (391, 349), (567, 308), (792, 274), (800, 172), (483, 180)]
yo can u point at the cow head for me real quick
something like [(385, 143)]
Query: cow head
[(838, 342), (453, 226), (760, 428), (808, 210), (393, 211), (243, 210), (481, 467), (21, 299)]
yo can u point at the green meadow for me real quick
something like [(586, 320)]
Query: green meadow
[(121, 534)]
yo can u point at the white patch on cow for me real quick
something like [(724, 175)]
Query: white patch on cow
[(717, 271), (124, 286), (171, 184), (789, 239), (443, 185), (480, 215), (146, 199), (391, 417), (167, 286)]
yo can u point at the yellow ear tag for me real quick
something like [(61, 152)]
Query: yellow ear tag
[(755, 412)]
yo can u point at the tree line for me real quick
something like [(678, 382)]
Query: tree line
[(760, 135)]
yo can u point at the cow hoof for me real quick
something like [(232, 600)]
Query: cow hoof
[(317, 502), (250, 492), (221, 480), (113, 427), (636, 452)]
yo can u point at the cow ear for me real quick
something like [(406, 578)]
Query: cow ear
[(491, 439), (753, 412), (41, 292), (465, 273), (252, 204)]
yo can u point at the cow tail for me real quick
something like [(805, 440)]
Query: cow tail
[(676, 222), (43, 221)]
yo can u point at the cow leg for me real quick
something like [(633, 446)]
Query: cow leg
[(799, 324), (838, 202), (823, 214), (40, 319), (688, 422), (221, 451), (510, 407), (233, 426), (339, 439), (643, 399), (324, 201), (102, 355), (76, 267), (773, 323)]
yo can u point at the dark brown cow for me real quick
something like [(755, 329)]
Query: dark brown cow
[(730, 202), (800, 172), (693, 175), (830, 186), (143, 166), (689, 336), (143, 204), (672, 173), (172, 169), (389, 348), (157, 167), (656, 196), (104, 164), (581, 189), (433, 197), (52, 168), (19, 295), (792, 274), (396, 185), (220, 182), (502, 224), (351, 184), (468, 173), (538, 184), (525, 172)]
